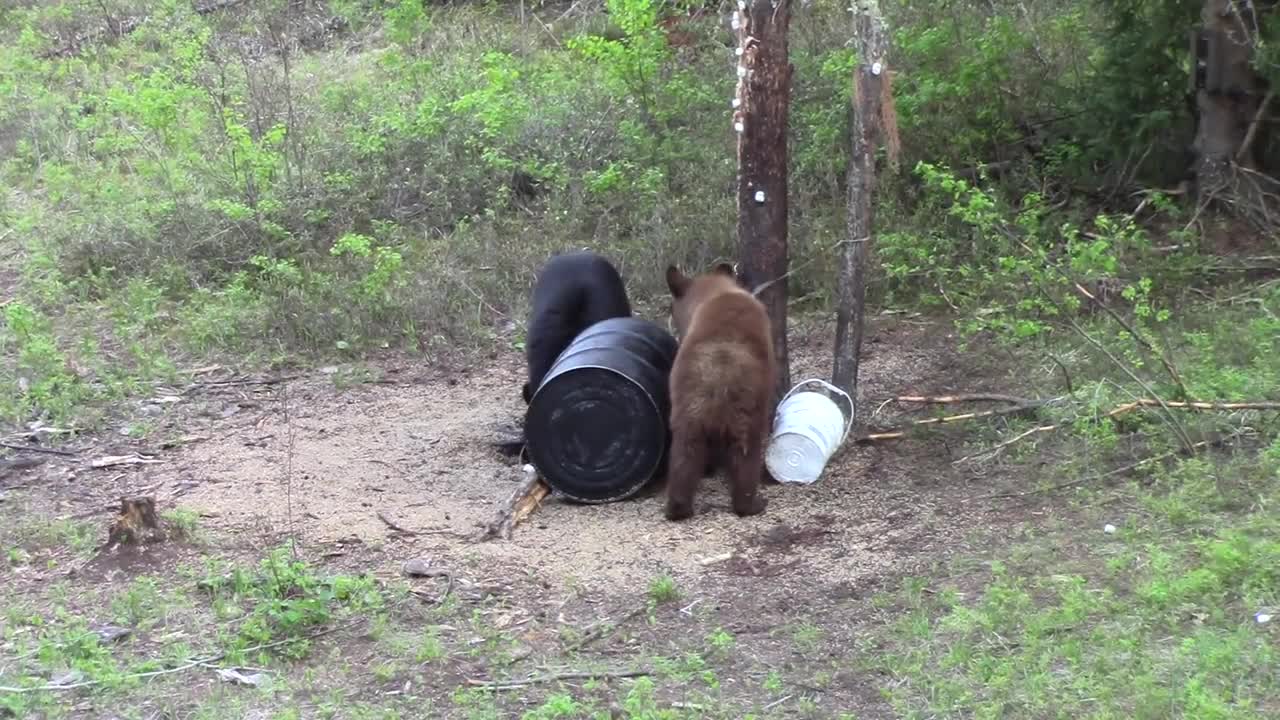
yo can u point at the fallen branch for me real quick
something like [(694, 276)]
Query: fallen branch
[(180, 668), (394, 527), (992, 452), (241, 381), (1110, 473), (1197, 405), (1169, 405), (555, 677), (895, 434), (36, 449), (971, 397), (518, 506), (113, 460), (606, 628)]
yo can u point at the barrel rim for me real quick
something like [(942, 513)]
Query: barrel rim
[(630, 489), (557, 371)]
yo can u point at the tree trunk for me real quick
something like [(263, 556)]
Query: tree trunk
[(869, 109), (1232, 104), (760, 120)]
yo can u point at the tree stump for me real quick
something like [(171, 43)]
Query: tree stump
[(136, 524)]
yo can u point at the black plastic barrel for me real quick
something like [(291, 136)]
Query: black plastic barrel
[(596, 428)]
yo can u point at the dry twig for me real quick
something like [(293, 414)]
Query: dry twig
[(522, 502), (1110, 473), (606, 628), (555, 677), (394, 527), (1167, 405), (169, 671), (37, 449)]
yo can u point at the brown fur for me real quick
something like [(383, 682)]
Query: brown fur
[(721, 385)]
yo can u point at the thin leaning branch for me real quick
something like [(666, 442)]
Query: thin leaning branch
[(1173, 419), (1143, 342)]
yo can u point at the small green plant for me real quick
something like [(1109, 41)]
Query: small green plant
[(773, 682), (430, 648), (284, 599), (663, 590), (721, 642), (184, 523), (556, 706)]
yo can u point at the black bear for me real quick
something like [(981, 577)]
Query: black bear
[(574, 291)]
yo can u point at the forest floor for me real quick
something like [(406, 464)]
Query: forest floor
[(360, 470)]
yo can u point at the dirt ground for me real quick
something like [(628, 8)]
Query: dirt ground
[(335, 464)]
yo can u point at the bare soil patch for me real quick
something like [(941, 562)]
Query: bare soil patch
[(339, 467), (333, 466)]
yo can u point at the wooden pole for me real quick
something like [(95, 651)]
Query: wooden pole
[(760, 120), (866, 129)]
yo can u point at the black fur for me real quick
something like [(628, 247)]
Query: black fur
[(573, 291)]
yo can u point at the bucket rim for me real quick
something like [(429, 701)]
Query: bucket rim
[(848, 421), (649, 475)]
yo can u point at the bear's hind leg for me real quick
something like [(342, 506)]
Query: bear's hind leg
[(688, 459), (746, 466)]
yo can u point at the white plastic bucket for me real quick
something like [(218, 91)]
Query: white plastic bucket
[(807, 430)]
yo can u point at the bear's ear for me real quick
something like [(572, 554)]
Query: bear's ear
[(677, 283), (725, 269)]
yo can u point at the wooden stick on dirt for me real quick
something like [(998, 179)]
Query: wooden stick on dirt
[(970, 397), (518, 506), (36, 449), (198, 662), (1216, 442), (899, 433), (554, 677), (393, 526)]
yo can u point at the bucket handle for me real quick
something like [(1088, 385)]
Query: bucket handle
[(848, 424)]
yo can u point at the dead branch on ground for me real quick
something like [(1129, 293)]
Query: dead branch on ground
[(198, 662), (605, 628), (898, 433), (971, 397), (526, 498), (393, 526), (1216, 442), (37, 449), (556, 677), (992, 452)]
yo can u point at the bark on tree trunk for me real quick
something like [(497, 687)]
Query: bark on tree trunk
[(1232, 102), (866, 129), (760, 120)]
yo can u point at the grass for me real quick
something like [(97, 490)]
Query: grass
[(1157, 619), (178, 195)]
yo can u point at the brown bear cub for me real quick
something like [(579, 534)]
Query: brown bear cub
[(722, 383)]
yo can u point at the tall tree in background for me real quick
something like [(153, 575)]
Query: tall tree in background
[(760, 120), (1233, 106), (873, 119)]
